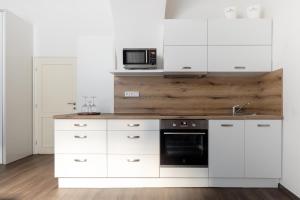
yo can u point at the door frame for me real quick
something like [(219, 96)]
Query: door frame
[(36, 111)]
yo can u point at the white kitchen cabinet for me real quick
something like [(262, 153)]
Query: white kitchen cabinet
[(133, 142), (80, 124), (263, 148), (185, 58), (80, 165), (133, 166), (132, 125), (77, 142), (185, 32), (226, 148), (239, 58), (240, 32)]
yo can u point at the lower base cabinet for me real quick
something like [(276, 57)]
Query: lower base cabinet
[(80, 165), (263, 148), (245, 148), (133, 166)]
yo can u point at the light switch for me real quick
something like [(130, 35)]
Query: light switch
[(132, 94)]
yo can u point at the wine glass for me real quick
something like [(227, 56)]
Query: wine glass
[(84, 107), (93, 105)]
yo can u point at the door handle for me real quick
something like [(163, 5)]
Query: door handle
[(227, 125), (78, 160), (133, 137), (72, 103), (186, 67), (263, 125), (133, 125), (80, 125), (80, 137), (239, 67), (133, 160)]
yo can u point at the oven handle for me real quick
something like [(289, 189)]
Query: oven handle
[(183, 133)]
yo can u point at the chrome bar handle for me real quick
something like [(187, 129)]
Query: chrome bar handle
[(186, 67), (227, 125), (133, 125), (78, 160), (80, 125), (263, 125), (133, 137), (80, 137), (239, 67), (133, 160)]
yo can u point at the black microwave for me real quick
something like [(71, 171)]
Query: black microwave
[(139, 56)]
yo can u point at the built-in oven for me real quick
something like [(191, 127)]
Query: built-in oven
[(184, 143)]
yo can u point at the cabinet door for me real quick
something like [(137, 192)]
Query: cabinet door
[(240, 32), (185, 58), (226, 148), (263, 148), (239, 58), (80, 165), (133, 166), (185, 32)]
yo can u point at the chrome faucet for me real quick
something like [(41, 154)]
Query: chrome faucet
[(238, 108)]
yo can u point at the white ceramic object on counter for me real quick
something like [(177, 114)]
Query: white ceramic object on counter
[(230, 12), (254, 12)]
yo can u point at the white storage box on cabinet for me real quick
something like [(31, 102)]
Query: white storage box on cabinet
[(240, 32), (185, 59), (185, 32), (239, 58), (133, 166), (133, 142), (226, 148), (80, 165), (263, 148)]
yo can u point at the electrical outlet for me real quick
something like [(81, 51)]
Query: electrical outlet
[(132, 94)]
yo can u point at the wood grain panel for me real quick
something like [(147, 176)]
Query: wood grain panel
[(201, 95)]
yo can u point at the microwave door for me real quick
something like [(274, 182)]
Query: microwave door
[(134, 57)]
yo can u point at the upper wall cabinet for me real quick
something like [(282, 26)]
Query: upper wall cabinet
[(185, 32), (240, 32)]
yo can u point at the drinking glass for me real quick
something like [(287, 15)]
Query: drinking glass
[(84, 107)]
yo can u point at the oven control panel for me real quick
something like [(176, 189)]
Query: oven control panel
[(183, 124)]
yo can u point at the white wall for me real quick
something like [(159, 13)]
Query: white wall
[(74, 28), (286, 50)]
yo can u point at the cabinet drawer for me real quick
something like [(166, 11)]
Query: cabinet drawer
[(70, 124), (88, 142), (130, 125), (133, 166), (240, 32), (185, 32), (185, 58), (133, 142), (80, 165), (239, 58)]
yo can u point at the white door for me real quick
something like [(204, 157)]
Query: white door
[(226, 148), (185, 58), (55, 93), (263, 148)]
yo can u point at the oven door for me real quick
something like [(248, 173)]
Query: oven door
[(135, 56), (184, 149)]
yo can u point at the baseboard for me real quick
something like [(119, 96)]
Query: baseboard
[(288, 192)]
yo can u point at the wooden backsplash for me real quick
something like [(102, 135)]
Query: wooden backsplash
[(199, 96)]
